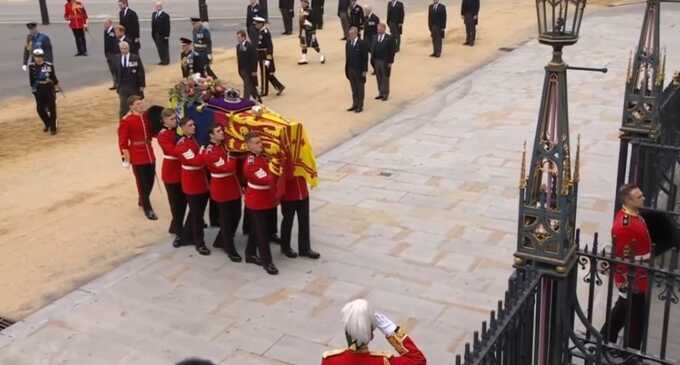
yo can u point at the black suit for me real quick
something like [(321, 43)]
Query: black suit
[(317, 12), (395, 20), (246, 58), (130, 21), (469, 9), (129, 78), (160, 32), (343, 14), (110, 51), (287, 13), (382, 57), (356, 65), (436, 20)]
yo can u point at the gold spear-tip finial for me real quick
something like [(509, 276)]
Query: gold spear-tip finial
[(662, 70), (630, 64), (523, 171), (577, 161)]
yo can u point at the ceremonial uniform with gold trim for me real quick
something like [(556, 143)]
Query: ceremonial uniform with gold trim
[(409, 354), (265, 57)]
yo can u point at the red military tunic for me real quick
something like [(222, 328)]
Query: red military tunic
[(296, 189), (193, 176), (409, 354), (260, 183), (224, 184), (631, 239), (134, 135), (171, 170)]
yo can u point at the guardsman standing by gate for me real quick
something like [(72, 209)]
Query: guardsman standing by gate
[(225, 190), (265, 58), (203, 43), (194, 185), (36, 40), (308, 33), (631, 241), (296, 202), (129, 19), (436, 21), (129, 76), (395, 20), (287, 8), (43, 82), (191, 61), (171, 172), (356, 17), (261, 204), (469, 11), (134, 141)]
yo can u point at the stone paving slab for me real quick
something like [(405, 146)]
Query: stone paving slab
[(418, 215)]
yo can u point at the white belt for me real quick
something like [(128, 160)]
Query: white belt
[(226, 174), (169, 157), (191, 168), (258, 187), (646, 256)]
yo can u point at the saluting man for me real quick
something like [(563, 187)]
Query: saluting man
[(43, 81), (395, 20), (134, 141), (225, 190), (203, 43), (265, 57), (36, 40), (194, 184), (129, 76), (171, 172), (307, 35), (191, 61)]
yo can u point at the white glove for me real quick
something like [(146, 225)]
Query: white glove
[(209, 56), (126, 164), (23, 67), (386, 326), (267, 63), (308, 23)]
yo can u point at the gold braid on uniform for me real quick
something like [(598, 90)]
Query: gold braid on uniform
[(397, 341)]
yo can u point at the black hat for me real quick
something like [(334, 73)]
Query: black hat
[(31, 25), (195, 19), (185, 40)]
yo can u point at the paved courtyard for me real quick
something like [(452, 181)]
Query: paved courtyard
[(417, 215)]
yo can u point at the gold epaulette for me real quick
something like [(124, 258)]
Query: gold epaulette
[(397, 340), (332, 353)]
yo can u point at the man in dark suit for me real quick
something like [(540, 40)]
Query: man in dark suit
[(343, 14), (287, 13), (160, 32), (317, 12), (395, 20), (129, 76), (356, 17), (469, 10), (128, 18), (356, 65), (246, 58), (111, 49), (382, 57), (436, 20)]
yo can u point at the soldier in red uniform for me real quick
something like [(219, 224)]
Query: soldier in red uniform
[(225, 190), (296, 201), (360, 321), (194, 184), (134, 141), (171, 172), (261, 203), (631, 241)]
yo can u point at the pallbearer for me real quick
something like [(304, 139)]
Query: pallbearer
[(265, 58), (296, 202)]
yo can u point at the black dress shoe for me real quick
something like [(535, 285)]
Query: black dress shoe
[(378, 97), (432, 55), (310, 254), (84, 54), (160, 63), (358, 110), (234, 257), (149, 213), (253, 260), (276, 239), (466, 43), (289, 253), (177, 242), (53, 131), (271, 269), (201, 249), (343, 38), (218, 244), (280, 91), (45, 129), (114, 87), (384, 98), (351, 109)]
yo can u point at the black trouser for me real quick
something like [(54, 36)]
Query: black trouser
[(163, 49), (262, 226), (617, 320), (382, 75), (145, 175), (81, 44), (208, 70), (395, 31), (253, 34), (289, 210), (319, 18), (266, 75), (46, 105), (470, 28), (193, 229), (249, 84), (230, 215), (436, 34), (344, 22), (357, 82), (111, 59), (124, 92), (287, 15), (178, 207)]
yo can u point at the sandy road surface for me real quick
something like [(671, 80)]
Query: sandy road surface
[(69, 210)]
